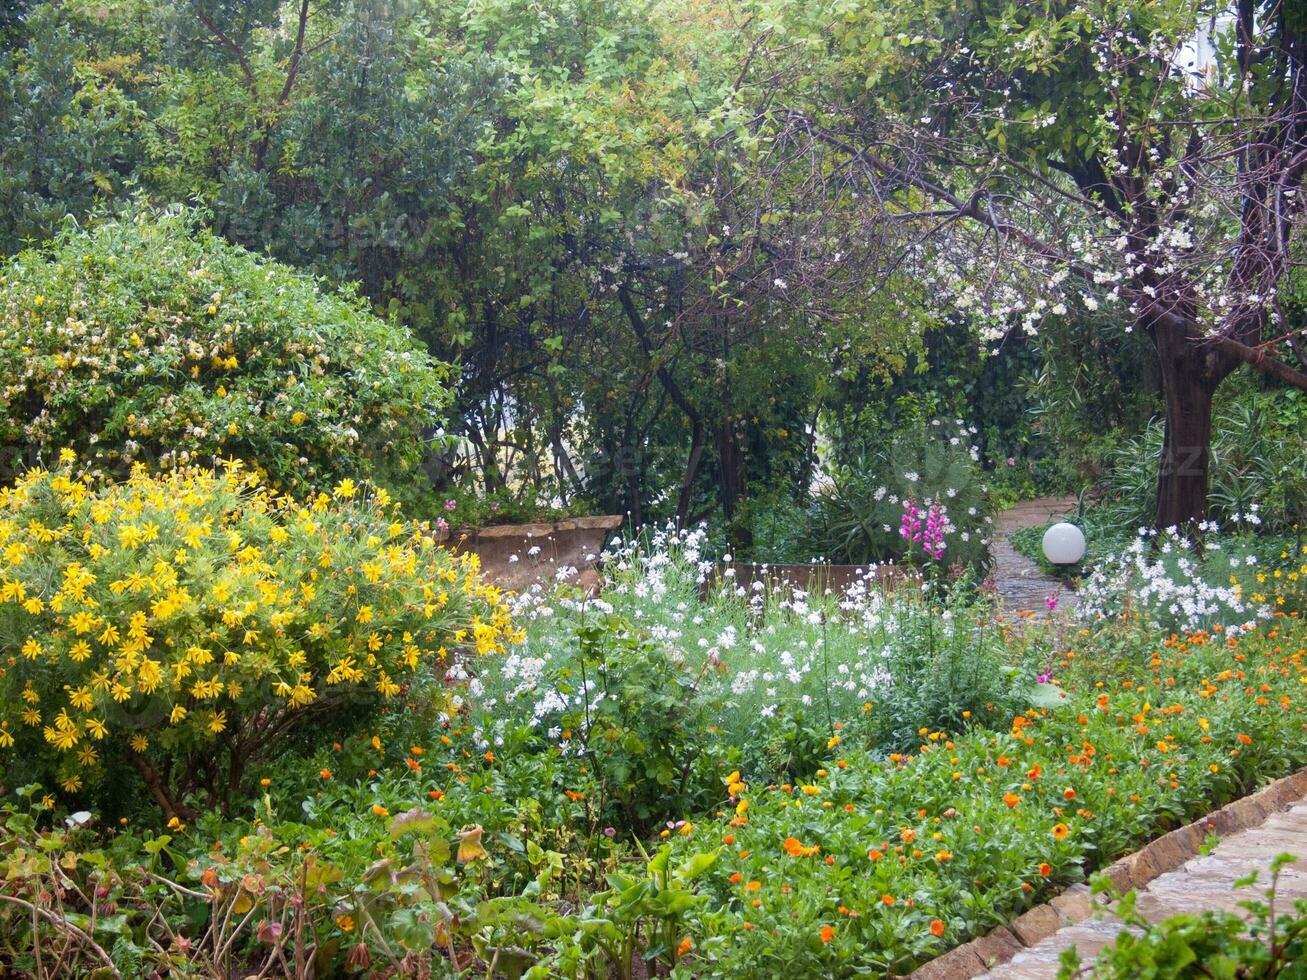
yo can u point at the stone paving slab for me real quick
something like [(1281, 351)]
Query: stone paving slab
[(1020, 583), (1203, 882)]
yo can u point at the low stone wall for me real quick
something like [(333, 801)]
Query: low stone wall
[(506, 550)]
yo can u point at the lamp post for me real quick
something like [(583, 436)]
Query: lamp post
[(1064, 544)]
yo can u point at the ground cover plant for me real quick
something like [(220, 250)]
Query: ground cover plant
[(877, 864)]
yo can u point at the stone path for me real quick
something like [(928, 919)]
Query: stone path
[(1021, 585), (1201, 883)]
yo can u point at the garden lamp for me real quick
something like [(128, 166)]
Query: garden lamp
[(1064, 544)]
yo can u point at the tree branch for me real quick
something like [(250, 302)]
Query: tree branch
[(1258, 358), (226, 41)]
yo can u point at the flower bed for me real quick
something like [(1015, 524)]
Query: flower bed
[(880, 864), (723, 781)]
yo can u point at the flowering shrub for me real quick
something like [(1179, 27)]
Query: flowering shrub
[(881, 508), (184, 626), (150, 340)]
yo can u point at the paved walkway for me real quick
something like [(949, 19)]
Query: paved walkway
[(1202, 883), (1021, 585)]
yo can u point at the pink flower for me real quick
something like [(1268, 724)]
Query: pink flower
[(1050, 600), (451, 503)]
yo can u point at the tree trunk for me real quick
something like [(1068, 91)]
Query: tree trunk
[(1190, 376), (731, 485)]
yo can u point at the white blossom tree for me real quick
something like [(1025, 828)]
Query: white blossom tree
[(1139, 158)]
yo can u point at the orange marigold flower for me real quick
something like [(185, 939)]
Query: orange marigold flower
[(1045, 870), (887, 900), (827, 933), (874, 855), (1011, 799), (796, 848), (753, 886), (728, 839), (936, 927), (1060, 831), (325, 773), (685, 946), (736, 878), (1245, 739), (908, 835), (1068, 794)]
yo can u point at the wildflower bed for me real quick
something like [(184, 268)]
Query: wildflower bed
[(877, 865), (721, 781)]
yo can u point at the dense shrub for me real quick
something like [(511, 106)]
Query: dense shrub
[(184, 627), (150, 339)]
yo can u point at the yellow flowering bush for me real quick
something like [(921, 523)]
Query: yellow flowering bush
[(152, 340), (184, 625)]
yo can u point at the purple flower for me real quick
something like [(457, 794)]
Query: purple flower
[(1043, 678), (1051, 601), (451, 503), (610, 832)]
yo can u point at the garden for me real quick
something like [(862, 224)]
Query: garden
[(789, 304)]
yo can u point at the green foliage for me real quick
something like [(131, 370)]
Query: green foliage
[(635, 714), (1096, 388), (66, 128), (1259, 464), (942, 672), (149, 339), (1263, 942)]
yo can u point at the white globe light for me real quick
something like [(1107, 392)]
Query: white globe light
[(1064, 544)]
